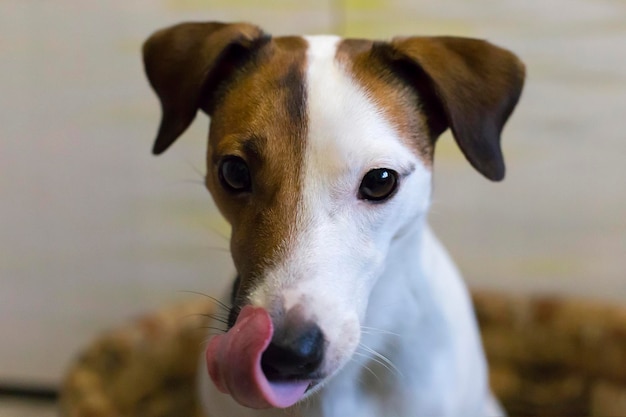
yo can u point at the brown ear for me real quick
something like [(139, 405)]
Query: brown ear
[(466, 84), (187, 63)]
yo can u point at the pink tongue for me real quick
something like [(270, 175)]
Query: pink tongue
[(234, 363)]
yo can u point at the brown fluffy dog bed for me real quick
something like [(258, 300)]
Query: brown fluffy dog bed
[(548, 357)]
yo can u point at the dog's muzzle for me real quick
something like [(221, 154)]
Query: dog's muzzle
[(260, 368), (294, 355)]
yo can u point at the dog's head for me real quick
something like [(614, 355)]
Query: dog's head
[(320, 154)]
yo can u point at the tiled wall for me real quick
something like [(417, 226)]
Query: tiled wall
[(94, 229)]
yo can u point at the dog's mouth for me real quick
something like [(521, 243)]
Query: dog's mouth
[(234, 364)]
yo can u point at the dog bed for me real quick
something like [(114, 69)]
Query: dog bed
[(548, 357)]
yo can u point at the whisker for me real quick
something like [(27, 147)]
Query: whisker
[(217, 329), (376, 354), (205, 315), (386, 362), (202, 181), (374, 330), (218, 319), (376, 360), (221, 316), (367, 367), (194, 168), (214, 299)]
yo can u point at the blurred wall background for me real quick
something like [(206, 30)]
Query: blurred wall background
[(93, 229)]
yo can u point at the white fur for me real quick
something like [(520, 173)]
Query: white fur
[(402, 338)]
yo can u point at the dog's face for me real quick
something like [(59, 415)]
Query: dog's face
[(320, 154), (316, 178)]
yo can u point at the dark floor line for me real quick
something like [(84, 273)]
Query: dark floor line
[(29, 392)]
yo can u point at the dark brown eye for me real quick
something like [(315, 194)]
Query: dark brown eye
[(234, 174), (378, 184)]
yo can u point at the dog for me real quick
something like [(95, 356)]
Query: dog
[(320, 156)]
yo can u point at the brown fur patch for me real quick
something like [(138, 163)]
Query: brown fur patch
[(398, 101), (262, 119)]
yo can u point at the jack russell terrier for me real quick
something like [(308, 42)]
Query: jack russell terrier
[(320, 156)]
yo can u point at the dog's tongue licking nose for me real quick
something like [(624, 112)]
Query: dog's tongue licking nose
[(234, 363)]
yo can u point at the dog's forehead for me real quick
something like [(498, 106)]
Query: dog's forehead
[(325, 84), (355, 111)]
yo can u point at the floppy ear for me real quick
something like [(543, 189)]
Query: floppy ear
[(186, 65), (466, 84)]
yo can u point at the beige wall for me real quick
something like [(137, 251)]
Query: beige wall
[(94, 229)]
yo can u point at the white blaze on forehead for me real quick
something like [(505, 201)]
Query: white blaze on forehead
[(347, 136), (347, 131)]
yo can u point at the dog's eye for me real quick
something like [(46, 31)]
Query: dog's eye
[(378, 184), (234, 174)]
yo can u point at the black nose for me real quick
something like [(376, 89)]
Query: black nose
[(294, 354)]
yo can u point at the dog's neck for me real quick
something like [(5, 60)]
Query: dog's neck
[(419, 293)]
